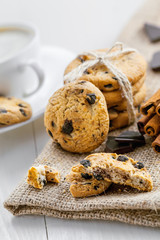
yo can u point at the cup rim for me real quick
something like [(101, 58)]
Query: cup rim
[(23, 26)]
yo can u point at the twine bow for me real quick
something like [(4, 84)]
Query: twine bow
[(105, 58)]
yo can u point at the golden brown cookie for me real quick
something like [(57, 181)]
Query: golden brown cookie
[(39, 176), (117, 96), (132, 65), (52, 175), (78, 173), (84, 184), (13, 110), (77, 118), (86, 189), (118, 169), (138, 98), (121, 120)]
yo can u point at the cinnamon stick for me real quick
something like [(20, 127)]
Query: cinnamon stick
[(152, 128), (142, 122), (156, 144), (149, 107), (158, 109)]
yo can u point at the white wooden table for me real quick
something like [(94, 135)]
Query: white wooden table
[(76, 25)]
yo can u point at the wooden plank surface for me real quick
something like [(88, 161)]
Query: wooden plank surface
[(98, 230), (17, 152)]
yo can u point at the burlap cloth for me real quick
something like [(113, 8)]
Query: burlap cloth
[(126, 206)]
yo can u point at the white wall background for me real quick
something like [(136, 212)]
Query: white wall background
[(75, 24)]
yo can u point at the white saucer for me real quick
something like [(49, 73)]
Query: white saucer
[(54, 61)]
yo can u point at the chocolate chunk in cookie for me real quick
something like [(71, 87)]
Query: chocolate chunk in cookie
[(67, 127), (139, 165), (86, 175), (81, 58), (21, 105), (81, 82), (96, 187), (122, 158), (99, 173), (91, 98), (108, 86), (114, 78), (86, 72), (50, 133), (23, 112), (97, 176)]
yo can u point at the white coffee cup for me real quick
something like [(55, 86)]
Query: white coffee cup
[(20, 72)]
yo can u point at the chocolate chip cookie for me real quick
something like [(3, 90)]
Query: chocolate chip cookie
[(117, 98), (132, 65), (119, 119), (84, 184), (90, 188), (13, 110), (52, 175), (39, 176), (76, 117), (138, 98), (110, 167)]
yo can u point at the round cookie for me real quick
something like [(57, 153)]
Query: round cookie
[(132, 65), (13, 110), (138, 98), (117, 96), (77, 117), (121, 120)]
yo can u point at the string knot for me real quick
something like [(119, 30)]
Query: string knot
[(105, 58)]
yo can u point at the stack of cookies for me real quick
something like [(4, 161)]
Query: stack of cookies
[(13, 110), (133, 66)]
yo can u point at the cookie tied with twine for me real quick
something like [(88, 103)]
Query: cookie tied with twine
[(105, 58)]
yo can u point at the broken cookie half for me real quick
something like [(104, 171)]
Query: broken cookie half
[(39, 176), (107, 168), (83, 184)]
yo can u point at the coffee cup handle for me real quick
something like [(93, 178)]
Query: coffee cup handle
[(39, 72)]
